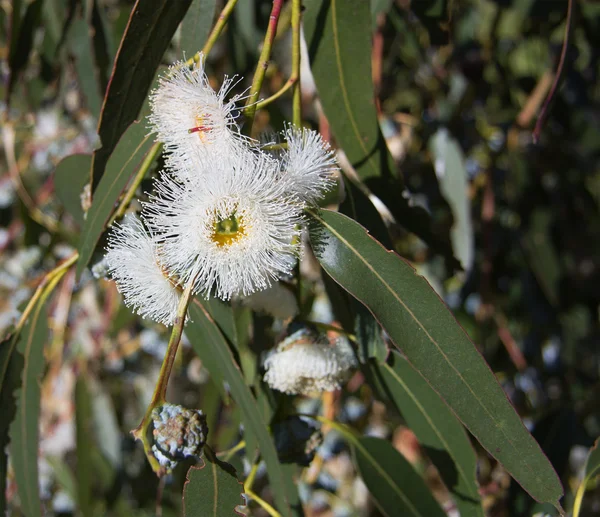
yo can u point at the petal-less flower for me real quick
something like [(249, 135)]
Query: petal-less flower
[(309, 162), (235, 228), (302, 364), (189, 117), (133, 262)]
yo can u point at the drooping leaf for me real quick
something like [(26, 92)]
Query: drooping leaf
[(213, 350), (80, 41), (393, 483), (125, 160), (84, 445), (438, 431), (151, 26), (70, 176), (11, 365), (338, 34), (421, 325), (23, 32), (452, 177), (24, 432), (196, 26), (212, 490)]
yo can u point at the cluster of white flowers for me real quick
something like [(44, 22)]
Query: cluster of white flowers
[(303, 363), (226, 215)]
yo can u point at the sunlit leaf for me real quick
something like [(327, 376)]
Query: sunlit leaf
[(452, 178), (392, 481), (421, 325), (338, 34), (439, 432)]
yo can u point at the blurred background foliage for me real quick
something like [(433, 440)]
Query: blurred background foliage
[(459, 86)]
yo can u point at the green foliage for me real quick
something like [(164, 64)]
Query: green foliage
[(446, 217), (437, 429), (396, 488), (212, 490), (24, 433), (425, 330), (149, 31)]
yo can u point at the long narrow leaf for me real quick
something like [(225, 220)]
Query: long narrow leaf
[(422, 326)]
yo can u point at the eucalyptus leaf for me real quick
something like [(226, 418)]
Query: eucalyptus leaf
[(392, 481), (212, 490), (421, 325), (439, 432)]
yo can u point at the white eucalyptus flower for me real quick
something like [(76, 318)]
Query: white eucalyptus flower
[(133, 262), (189, 117), (301, 365), (309, 162), (234, 229)]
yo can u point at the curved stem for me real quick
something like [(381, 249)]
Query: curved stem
[(263, 63), (230, 452), (48, 279), (266, 506), (289, 83), (559, 72), (160, 390), (150, 157), (296, 29)]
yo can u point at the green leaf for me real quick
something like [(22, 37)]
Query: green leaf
[(11, 366), (395, 486), (22, 39), (84, 432), (81, 45), (437, 430), (24, 432), (212, 490), (70, 176), (420, 324), (338, 34), (452, 178), (151, 26), (592, 464), (213, 350), (196, 26), (126, 159), (592, 469)]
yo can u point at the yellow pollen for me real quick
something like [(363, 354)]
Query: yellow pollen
[(200, 128), (227, 231)]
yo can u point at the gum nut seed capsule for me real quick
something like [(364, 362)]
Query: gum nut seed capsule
[(178, 433)]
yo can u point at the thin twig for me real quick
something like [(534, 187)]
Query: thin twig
[(160, 390), (557, 78), (297, 95), (263, 64)]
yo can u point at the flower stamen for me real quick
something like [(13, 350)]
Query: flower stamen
[(228, 230)]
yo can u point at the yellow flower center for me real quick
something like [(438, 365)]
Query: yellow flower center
[(227, 231)]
